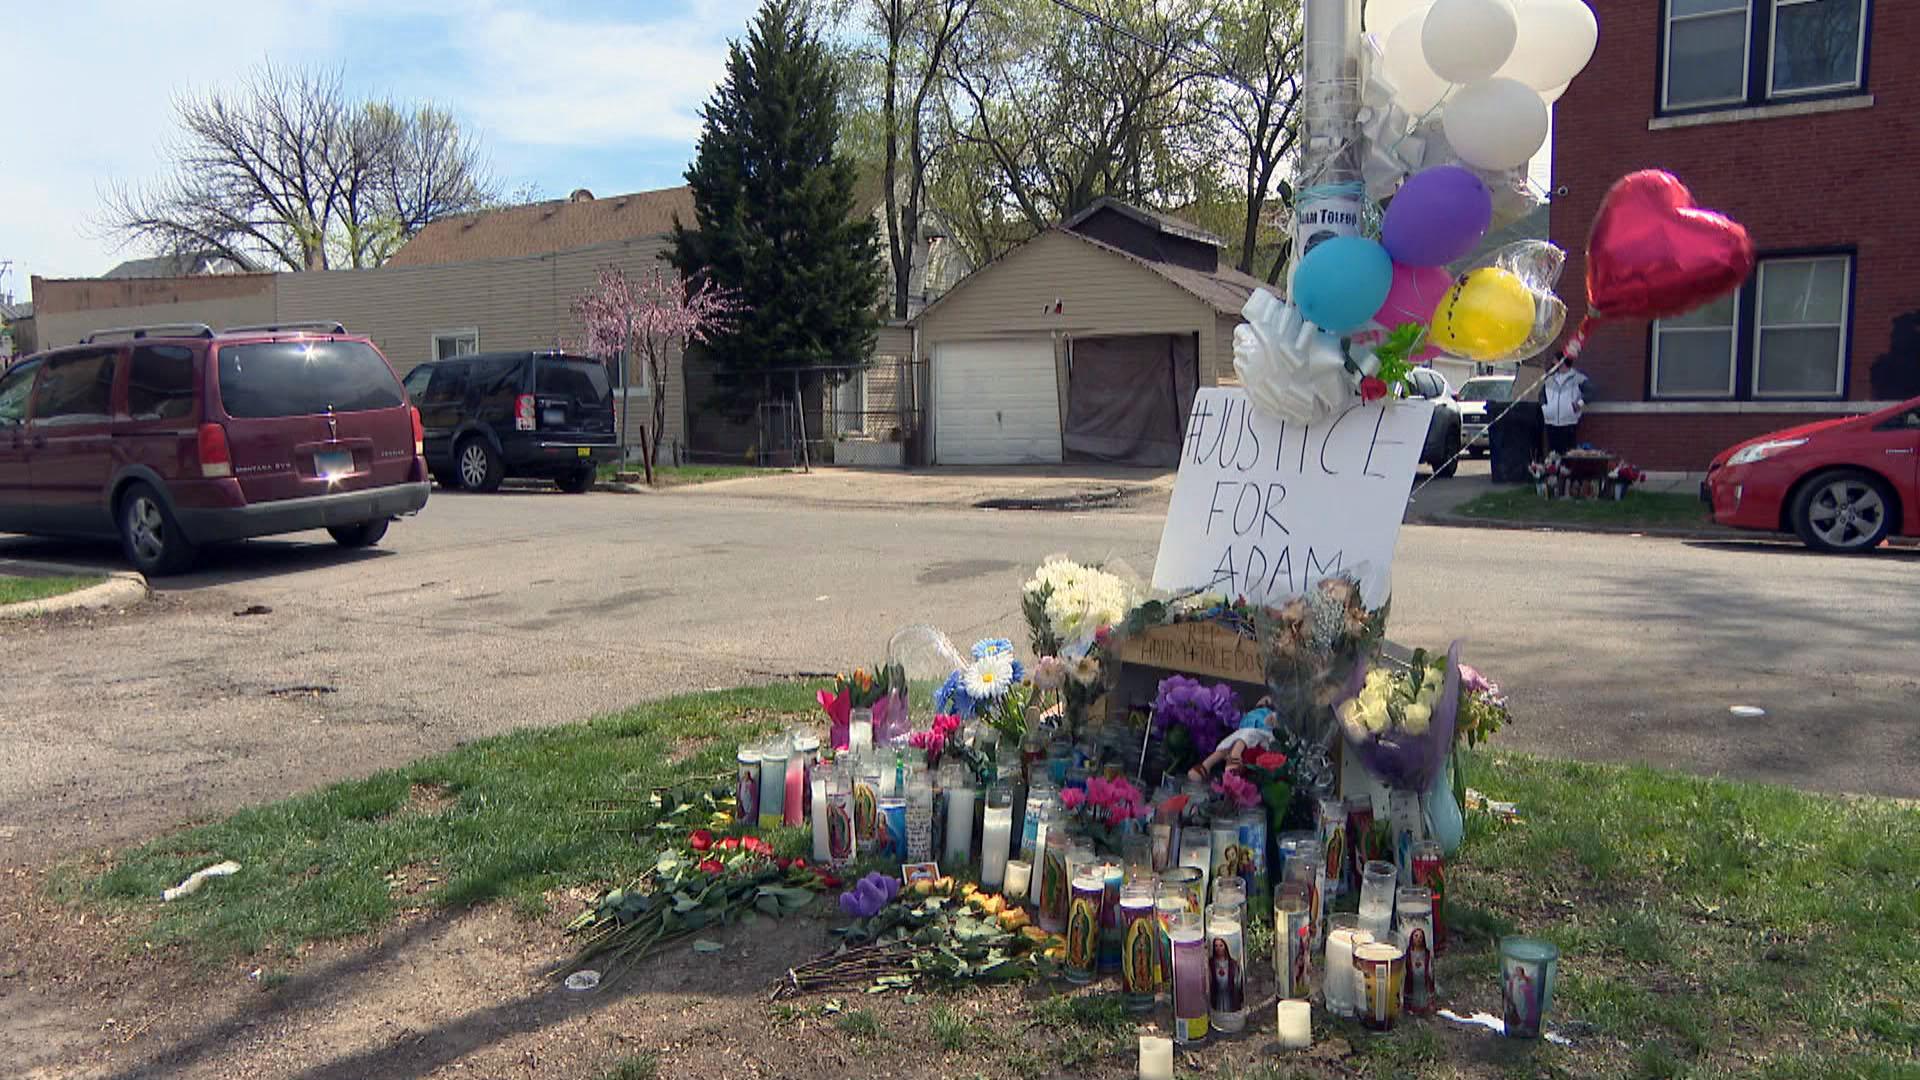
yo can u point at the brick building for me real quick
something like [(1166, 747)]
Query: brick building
[(1798, 119)]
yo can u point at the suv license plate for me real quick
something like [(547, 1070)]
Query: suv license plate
[(332, 463), (586, 451)]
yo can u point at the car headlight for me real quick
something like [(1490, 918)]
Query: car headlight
[(1762, 451)]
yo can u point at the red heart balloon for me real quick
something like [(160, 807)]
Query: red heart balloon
[(1653, 254)]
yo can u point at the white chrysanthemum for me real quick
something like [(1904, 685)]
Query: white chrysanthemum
[(1085, 670), (990, 677)]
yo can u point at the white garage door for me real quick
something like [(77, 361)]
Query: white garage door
[(995, 402)]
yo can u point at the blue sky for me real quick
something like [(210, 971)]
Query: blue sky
[(597, 94)]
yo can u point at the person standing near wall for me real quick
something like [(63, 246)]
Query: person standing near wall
[(1563, 400)]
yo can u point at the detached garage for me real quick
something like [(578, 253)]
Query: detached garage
[(1084, 344)]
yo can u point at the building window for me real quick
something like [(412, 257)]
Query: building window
[(448, 344), (1801, 344), (1784, 335), (1693, 354), (1805, 47)]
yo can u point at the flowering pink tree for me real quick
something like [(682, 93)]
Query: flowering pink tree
[(651, 316)]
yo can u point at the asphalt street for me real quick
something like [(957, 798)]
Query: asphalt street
[(488, 613)]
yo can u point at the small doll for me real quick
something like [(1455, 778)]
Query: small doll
[(1255, 733)]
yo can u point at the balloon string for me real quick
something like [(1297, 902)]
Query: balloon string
[(1570, 351)]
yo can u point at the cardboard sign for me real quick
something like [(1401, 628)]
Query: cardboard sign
[(1264, 509), (1196, 648)]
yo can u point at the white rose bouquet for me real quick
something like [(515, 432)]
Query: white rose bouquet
[(1400, 724)]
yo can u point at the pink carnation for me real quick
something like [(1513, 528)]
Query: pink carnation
[(1072, 798)]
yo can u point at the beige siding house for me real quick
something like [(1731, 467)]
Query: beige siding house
[(1085, 343)]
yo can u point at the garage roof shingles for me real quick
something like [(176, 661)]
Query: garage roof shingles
[(546, 227)]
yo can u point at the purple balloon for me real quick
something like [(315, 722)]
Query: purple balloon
[(1438, 216)]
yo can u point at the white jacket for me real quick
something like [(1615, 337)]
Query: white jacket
[(1564, 397)]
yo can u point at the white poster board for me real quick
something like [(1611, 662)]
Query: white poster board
[(1263, 508)]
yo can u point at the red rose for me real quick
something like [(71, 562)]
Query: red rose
[(828, 881), (711, 866), (783, 863), (1372, 389), (1103, 634), (799, 862), (701, 840), (729, 843), (1269, 760), (756, 845)]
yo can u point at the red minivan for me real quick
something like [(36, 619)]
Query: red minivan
[(171, 438)]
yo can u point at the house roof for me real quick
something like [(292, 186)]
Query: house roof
[(541, 228), (1165, 223), (183, 264), (15, 312), (1226, 291)]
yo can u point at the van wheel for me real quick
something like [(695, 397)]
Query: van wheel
[(1449, 462), (150, 536), (479, 466), (578, 482), (1845, 511), (365, 534)]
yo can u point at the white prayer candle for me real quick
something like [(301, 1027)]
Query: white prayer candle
[(821, 854), (959, 846), (996, 833), (1341, 994), (1019, 878), (860, 734), (1295, 1018), (1156, 1057)]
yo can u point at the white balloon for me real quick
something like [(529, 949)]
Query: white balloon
[(1553, 95), (1384, 15), (1496, 123), (1468, 40), (1415, 86), (1556, 40)]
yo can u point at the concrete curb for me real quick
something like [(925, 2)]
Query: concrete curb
[(122, 589), (1665, 533)]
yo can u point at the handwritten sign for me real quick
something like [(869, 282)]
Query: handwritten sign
[(1263, 508), (1196, 648)]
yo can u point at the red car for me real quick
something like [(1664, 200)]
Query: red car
[(1842, 485)]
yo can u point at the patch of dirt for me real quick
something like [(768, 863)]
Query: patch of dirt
[(427, 800)]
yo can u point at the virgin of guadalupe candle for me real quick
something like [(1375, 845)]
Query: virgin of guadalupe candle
[(1226, 968), (1292, 941), (806, 748), (890, 828), (773, 781), (1332, 827), (1430, 869), (996, 832), (840, 820), (1054, 884), (1359, 838), (1308, 868), (1083, 925), (1408, 825), (1165, 907), (1413, 918), (958, 782), (1379, 972), (1187, 941), (1139, 946), (1528, 967), (866, 805), (746, 785)]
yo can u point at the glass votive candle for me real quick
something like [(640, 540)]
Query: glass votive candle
[(1379, 979), (1019, 879), (1156, 1057), (1528, 967), (1294, 1018), (1413, 925), (1292, 941), (1337, 987), (1378, 879), (1230, 892)]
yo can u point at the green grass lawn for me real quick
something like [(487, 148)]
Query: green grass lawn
[(1708, 928), (682, 475), (14, 590), (1640, 509)]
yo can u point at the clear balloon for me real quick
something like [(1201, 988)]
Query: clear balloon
[(1468, 40), (1556, 40), (1535, 266), (1416, 87), (1496, 123)]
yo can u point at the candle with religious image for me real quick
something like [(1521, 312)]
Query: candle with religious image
[(1196, 851), (1413, 921), (1055, 886), (1379, 971), (1040, 795), (1292, 941), (1115, 876), (1430, 869), (866, 805), (1408, 824), (746, 785), (1139, 946), (919, 820), (840, 819), (1186, 937), (1308, 868), (1253, 841), (1528, 967), (1229, 858), (1083, 925), (1359, 839), (1332, 828), (1226, 967)]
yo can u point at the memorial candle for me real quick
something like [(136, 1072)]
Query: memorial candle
[(996, 833), (822, 850), (1226, 967), (1156, 1057), (959, 788), (841, 832), (795, 808), (1337, 985), (1139, 946), (1188, 944), (746, 785), (1295, 1019), (1019, 878), (773, 781)]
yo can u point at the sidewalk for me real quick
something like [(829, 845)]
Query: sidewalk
[(1037, 487)]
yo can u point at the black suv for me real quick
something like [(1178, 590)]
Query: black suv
[(487, 416)]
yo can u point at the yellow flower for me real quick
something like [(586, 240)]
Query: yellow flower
[(1415, 718)]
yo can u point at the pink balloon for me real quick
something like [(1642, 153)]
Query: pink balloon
[(1413, 297)]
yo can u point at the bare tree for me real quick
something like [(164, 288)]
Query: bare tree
[(1253, 48), (290, 173)]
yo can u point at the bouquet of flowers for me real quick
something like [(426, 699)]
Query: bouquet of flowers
[(1310, 648), (1067, 603), (1548, 475), (1400, 724), (1105, 809), (1483, 707), (881, 692), (935, 740), (1192, 718)]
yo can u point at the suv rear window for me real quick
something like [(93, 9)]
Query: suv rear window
[(584, 381), (302, 378)]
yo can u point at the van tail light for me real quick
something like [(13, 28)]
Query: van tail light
[(215, 459), (419, 432), (523, 412)]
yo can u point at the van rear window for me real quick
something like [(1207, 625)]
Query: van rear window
[(302, 378)]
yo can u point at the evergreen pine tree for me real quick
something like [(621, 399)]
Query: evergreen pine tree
[(775, 216)]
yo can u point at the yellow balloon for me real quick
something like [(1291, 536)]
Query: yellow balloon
[(1486, 315)]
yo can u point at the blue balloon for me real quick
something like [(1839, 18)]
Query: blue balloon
[(1342, 282)]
